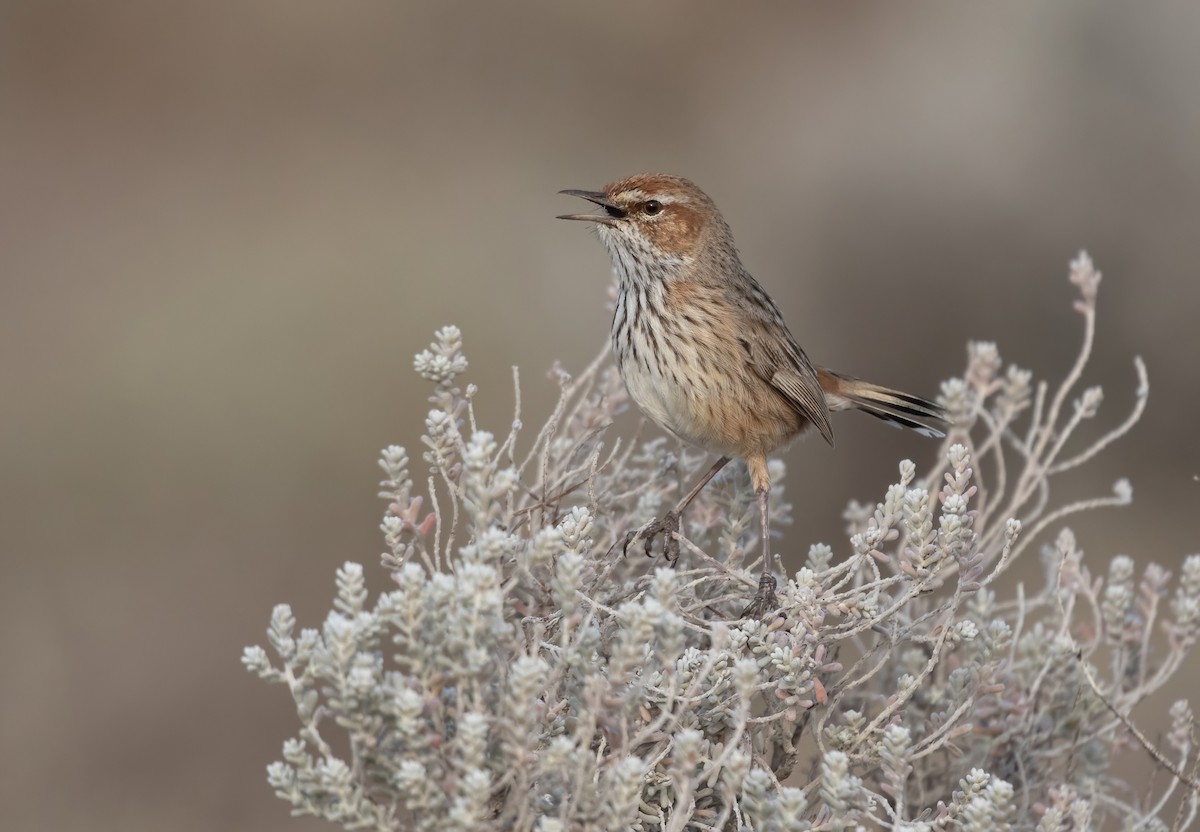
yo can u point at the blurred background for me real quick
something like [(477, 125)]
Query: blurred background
[(226, 227)]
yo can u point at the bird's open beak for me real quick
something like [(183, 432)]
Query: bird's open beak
[(613, 212)]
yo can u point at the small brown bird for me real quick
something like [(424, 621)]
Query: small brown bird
[(704, 351)]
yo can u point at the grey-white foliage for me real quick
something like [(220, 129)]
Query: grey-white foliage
[(518, 672)]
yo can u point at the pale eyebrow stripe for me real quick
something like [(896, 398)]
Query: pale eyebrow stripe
[(665, 199)]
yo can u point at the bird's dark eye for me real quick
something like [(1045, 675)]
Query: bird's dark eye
[(652, 206)]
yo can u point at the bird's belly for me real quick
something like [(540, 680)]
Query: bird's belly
[(728, 419), (662, 400), (686, 410)]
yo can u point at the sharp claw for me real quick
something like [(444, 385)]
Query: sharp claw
[(668, 527), (629, 538)]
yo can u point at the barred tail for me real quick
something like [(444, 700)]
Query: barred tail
[(898, 409)]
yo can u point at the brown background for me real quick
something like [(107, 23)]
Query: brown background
[(225, 227)]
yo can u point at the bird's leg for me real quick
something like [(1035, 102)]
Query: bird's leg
[(668, 524), (764, 599)]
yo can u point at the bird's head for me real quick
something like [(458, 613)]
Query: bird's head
[(650, 223)]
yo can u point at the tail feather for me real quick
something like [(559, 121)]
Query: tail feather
[(902, 410)]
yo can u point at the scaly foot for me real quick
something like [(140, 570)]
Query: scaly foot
[(667, 526), (764, 601)]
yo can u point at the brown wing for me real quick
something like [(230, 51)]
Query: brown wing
[(794, 377), (778, 360)]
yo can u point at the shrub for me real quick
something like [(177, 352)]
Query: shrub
[(523, 674)]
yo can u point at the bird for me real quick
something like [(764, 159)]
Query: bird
[(704, 351)]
